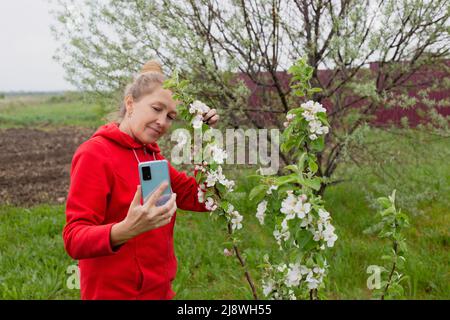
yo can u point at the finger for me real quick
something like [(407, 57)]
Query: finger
[(213, 120), (167, 217), (155, 195), (164, 218), (164, 208), (137, 197), (162, 223), (170, 212), (211, 113), (167, 206)]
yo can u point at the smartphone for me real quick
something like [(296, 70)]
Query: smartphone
[(151, 175)]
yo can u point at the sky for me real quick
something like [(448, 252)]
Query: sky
[(27, 47)]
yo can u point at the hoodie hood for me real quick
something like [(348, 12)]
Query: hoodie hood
[(112, 132)]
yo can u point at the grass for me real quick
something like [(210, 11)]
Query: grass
[(33, 263), (26, 112)]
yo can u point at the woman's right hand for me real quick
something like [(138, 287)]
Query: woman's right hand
[(145, 217)]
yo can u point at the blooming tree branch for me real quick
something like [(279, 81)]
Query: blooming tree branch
[(214, 186), (302, 226)]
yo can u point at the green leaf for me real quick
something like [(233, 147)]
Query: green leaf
[(312, 165), (313, 183), (390, 210), (301, 161), (314, 90), (292, 167), (384, 202), (392, 197), (387, 258), (199, 177), (254, 176), (283, 189), (224, 205), (317, 145), (323, 118), (303, 238), (285, 179), (373, 229), (258, 193)]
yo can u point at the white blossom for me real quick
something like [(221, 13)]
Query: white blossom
[(325, 215), (304, 270), (200, 168), (283, 235), (301, 209), (236, 220), (268, 287), (329, 236), (211, 178), (312, 282), (308, 116), (227, 253), (313, 107), (229, 184), (292, 295), (310, 110), (307, 221), (293, 275), (281, 267), (210, 204), (276, 296), (325, 230), (284, 225), (198, 107), (314, 126), (201, 195), (323, 130), (230, 208), (197, 121), (220, 176), (271, 188), (295, 206), (288, 204), (219, 155), (290, 116)]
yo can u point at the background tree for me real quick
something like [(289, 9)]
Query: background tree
[(104, 42)]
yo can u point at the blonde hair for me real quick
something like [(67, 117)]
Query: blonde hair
[(150, 77)]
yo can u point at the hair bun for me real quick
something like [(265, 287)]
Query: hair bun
[(152, 66)]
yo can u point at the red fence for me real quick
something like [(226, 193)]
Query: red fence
[(260, 95)]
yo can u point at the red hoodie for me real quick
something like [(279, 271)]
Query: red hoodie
[(104, 178)]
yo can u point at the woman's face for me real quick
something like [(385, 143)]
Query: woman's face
[(151, 116)]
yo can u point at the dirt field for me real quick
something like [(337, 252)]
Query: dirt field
[(35, 164)]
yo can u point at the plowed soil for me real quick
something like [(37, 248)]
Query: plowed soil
[(35, 164)]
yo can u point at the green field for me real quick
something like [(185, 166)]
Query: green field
[(33, 262), (48, 111)]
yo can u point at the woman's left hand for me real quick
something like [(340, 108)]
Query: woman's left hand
[(211, 117)]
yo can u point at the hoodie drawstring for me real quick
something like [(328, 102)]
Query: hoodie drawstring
[(137, 159)]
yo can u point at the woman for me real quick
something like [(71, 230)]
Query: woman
[(124, 244)]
